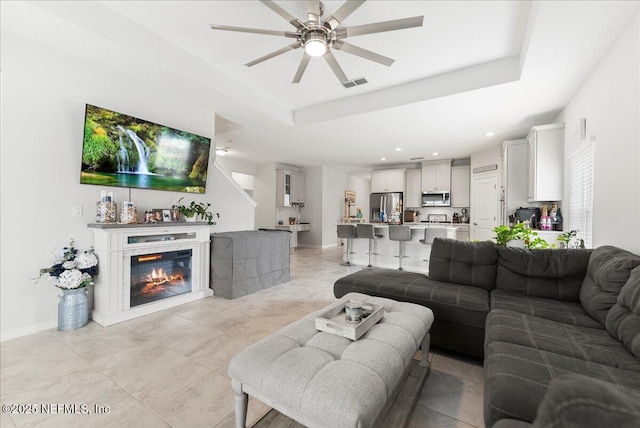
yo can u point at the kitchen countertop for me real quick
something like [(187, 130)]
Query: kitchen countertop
[(289, 226), (419, 226)]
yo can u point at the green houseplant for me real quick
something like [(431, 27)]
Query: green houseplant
[(519, 232), (195, 210), (566, 237)]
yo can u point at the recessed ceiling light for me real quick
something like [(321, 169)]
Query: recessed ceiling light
[(490, 134), (435, 153), (222, 151), (383, 159), (398, 149)]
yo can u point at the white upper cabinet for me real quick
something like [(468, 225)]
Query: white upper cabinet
[(414, 188), (436, 176), (298, 188), (546, 162), (291, 187), (460, 184), (389, 180)]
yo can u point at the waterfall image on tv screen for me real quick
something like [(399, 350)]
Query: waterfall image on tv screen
[(121, 150)]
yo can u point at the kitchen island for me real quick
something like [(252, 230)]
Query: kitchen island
[(247, 261), (386, 251)]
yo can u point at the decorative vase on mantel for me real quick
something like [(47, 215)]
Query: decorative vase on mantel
[(73, 309)]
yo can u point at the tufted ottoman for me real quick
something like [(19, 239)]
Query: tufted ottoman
[(323, 380)]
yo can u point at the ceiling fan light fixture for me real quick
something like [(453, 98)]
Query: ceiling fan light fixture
[(315, 45)]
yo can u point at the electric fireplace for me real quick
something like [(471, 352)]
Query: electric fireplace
[(159, 276), (146, 268)]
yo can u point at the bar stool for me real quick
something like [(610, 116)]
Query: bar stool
[(431, 233), (348, 232), (400, 234), (366, 231)]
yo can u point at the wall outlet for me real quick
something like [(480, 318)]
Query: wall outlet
[(77, 211)]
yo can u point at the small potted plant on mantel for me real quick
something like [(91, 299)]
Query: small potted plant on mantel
[(195, 210)]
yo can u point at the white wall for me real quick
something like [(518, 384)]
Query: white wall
[(313, 209), (232, 165), (42, 106), (325, 203), (334, 183), (609, 101), (264, 193)]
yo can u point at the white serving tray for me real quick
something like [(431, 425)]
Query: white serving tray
[(333, 321)]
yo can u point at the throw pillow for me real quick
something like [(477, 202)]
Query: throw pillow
[(608, 270), (623, 320), (464, 263)]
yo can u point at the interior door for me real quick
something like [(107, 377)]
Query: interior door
[(484, 213)]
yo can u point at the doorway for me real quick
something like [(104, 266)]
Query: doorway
[(484, 215)]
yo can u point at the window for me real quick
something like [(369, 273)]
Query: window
[(581, 191)]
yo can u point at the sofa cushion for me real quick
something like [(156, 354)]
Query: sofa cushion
[(466, 263), (553, 274), (583, 343), (623, 320), (450, 302), (556, 310), (516, 378), (609, 269), (576, 401)]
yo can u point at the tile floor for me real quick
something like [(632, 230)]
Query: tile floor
[(169, 369)]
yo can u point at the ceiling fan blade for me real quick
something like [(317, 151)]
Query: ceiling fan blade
[(301, 68), (314, 10), (363, 53), (335, 67), (273, 54), (380, 27), (343, 12), (283, 13), (253, 30)]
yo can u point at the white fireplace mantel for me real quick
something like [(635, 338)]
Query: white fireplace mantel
[(115, 244)]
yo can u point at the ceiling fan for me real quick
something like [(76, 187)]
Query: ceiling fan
[(319, 36)]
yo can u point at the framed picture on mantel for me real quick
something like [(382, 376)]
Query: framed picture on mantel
[(157, 214)]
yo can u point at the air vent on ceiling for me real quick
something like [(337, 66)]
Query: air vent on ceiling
[(418, 158), (354, 82)]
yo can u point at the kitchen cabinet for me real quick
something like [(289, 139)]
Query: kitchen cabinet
[(460, 185), (462, 233), (290, 188), (390, 180), (414, 188), (545, 162), (298, 188), (436, 176)]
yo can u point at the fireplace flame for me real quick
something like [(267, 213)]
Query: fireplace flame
[(159, 277)]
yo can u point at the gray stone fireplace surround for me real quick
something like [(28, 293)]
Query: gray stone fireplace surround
[(248, 261)]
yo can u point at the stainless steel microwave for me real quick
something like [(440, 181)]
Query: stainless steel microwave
[(436, 199)]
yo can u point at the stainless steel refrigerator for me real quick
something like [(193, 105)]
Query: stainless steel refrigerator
[(386, 208)]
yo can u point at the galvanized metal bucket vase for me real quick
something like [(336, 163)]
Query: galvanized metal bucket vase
[(73, 309)]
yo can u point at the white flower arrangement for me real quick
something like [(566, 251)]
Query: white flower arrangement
[(72, 270)]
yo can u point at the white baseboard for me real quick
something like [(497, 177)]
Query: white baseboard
[(329, 246), (30, 329), (319, 247)]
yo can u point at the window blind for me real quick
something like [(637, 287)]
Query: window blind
[(581, 191)]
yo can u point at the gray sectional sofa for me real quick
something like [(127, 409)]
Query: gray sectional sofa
[(535, 316)]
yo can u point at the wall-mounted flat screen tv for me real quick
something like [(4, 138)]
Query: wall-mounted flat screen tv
[(121, 150)]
